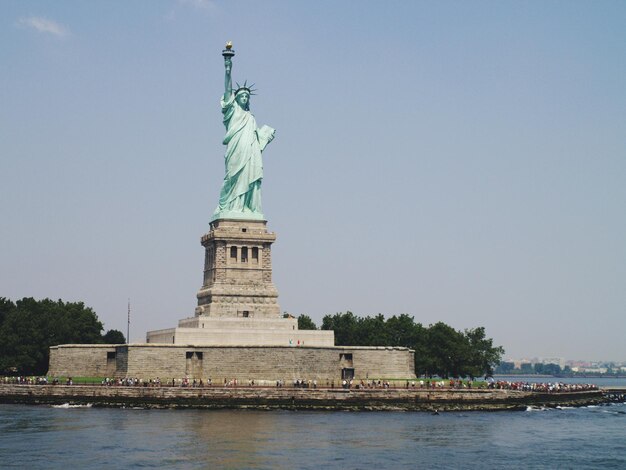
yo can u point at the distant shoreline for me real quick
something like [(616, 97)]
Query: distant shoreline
[(272, 398), (561, 376)]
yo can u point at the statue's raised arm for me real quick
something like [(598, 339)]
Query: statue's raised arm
[(240, 197), (228, 65)]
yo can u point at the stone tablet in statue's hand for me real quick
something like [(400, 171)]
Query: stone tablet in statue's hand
[(265, 135)]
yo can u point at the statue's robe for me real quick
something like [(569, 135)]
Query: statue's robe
[(241, 190)]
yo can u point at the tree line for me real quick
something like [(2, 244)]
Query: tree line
[(526, 368), (28, 328), (440, 350)]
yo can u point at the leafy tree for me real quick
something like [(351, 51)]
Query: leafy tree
[(372, 331), (439, 349), (6, 306), (402, 330), (483, 356), (505, 367), (551, 369), (345, 328), (526, 368), (28, 330), (113, 337), (446, 350), (305, 323)]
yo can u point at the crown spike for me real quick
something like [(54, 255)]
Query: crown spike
[(245, 87)]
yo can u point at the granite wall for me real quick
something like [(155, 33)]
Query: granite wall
[(83, 360), (259, 363)]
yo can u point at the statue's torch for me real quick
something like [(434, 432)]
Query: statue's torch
[(229, 52)]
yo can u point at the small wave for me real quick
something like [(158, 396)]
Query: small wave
[(592, 406), (67, 405), (535, 408)]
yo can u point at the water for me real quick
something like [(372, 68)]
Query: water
[(47, 437)]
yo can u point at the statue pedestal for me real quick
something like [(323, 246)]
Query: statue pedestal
[(238, 302), (238, 271)]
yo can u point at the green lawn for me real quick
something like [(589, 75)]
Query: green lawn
[(78, 380)]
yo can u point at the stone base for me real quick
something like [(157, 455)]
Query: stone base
[(238, 271), (148, 361), (226, 331), (323, 397), (238, 303)]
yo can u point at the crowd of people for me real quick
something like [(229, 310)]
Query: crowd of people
[(550, 387), (156, 382), (25, 380), (439, 383), (490, 383)]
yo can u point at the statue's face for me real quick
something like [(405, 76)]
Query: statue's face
[(243, 99)]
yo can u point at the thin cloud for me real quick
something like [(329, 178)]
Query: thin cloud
[(201, 4), (43, 25)]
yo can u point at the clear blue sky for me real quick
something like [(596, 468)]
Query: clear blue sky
[(461, 162)]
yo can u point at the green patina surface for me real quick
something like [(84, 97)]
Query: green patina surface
[(240, 196)]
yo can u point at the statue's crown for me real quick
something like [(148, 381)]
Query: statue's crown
[(245, 88)]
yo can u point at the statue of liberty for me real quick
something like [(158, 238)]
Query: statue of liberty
[(240, 197)]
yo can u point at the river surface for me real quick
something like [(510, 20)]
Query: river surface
[(49, 437)]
